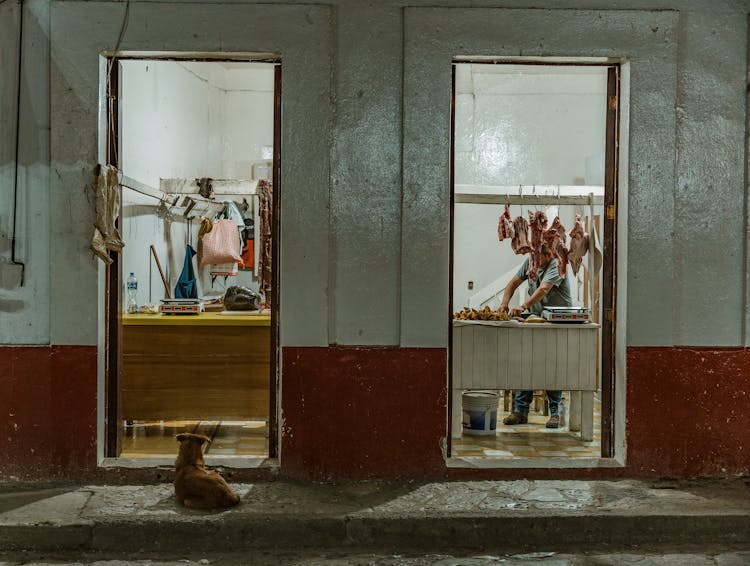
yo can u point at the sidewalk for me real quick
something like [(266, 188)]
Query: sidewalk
[(507, 516)]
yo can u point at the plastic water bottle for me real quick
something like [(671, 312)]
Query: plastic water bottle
[(131, 285)]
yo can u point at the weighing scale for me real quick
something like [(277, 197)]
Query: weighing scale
[(180, 306), (566, 314)]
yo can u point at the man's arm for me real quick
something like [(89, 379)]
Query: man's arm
[(538, 295), (510, 288)]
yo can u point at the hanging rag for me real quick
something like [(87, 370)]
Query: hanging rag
[(205, 187), (107, 199), (265, 209), (187, 285)]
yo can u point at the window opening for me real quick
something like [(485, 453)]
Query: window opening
[(533, 162), (193, 294)]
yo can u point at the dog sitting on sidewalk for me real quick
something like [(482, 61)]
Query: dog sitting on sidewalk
[(195, 486)]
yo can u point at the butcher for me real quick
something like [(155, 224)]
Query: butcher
[(549, 289)]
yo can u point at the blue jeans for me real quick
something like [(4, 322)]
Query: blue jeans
[(522, 400)]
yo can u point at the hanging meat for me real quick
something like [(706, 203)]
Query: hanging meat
[(537, 226), (505, 228), (555, 238), (520, 241), (265, 209), (579, 244), (562, 260)]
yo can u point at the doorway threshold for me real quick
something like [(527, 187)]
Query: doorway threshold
[(240, 462), (483, 463)]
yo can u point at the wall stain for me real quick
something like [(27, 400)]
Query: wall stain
[(7, 305)]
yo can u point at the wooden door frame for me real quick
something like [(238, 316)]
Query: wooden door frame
[(609, 267), (609, 273), (113, 278), (273, 437), (113, 275)]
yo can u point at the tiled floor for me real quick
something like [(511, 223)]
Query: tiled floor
[(250, 438), (532, 440), (228, 438)]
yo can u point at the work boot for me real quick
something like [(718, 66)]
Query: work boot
[(515, 418), (553, 422)]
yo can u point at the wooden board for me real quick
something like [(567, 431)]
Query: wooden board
[(195, 372)]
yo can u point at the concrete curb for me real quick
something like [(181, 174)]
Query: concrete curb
[(381, 533), (505, 516)]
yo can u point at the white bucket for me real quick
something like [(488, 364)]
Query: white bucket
[(479, 412)]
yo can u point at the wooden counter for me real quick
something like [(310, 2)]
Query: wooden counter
[(513, 355), (206, 366)]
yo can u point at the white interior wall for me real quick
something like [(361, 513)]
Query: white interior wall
[(248, 126), (190, 120), (521, 125)]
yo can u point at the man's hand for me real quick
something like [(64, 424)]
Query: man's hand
[(503, 307), (516, 311)]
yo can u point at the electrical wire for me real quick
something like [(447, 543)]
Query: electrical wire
[(110, 96), (13, 259)]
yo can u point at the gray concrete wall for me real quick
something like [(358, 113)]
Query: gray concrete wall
[(25, 291), (363, 260)]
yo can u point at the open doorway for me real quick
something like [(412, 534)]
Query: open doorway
[(192, 298), (534, 169)]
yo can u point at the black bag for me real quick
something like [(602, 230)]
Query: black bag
[(239, 298)]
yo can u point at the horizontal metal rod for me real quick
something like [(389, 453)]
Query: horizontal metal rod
[(541, 200)]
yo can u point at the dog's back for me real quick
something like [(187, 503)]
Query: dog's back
[(195, 486)]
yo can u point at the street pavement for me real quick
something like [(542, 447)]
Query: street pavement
[(459, 522)]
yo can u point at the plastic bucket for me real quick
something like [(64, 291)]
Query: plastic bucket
[(479, 412)]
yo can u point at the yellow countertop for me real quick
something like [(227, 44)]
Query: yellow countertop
[(202, 319)]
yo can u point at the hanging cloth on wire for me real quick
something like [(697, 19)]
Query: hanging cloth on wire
[(187, 287)]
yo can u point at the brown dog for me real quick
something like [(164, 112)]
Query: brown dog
[(195, 486)]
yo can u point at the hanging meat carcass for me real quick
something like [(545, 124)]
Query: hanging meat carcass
[(505, 228), (579, 245), (554, 236), (562, 260), (555, 239), (520, 241), (537, 226)]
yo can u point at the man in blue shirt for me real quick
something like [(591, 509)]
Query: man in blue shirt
[(550, 289)]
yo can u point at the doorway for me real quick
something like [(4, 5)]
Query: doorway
[(534, 148), (192, 298)]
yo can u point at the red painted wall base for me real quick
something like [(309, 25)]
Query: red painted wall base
[(368, 412), (688, 412), (363, 412), (48, 408)]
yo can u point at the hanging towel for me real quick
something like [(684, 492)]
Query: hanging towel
[(107, 198), (187, 287)]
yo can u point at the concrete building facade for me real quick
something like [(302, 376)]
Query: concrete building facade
[(365, 222)]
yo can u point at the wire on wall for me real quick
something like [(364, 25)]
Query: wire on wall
[(13, 259), (110, 95)]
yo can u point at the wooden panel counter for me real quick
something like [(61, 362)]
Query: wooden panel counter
[(208, 366), (512, 355)]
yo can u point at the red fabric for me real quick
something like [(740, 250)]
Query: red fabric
[(247, 259)]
